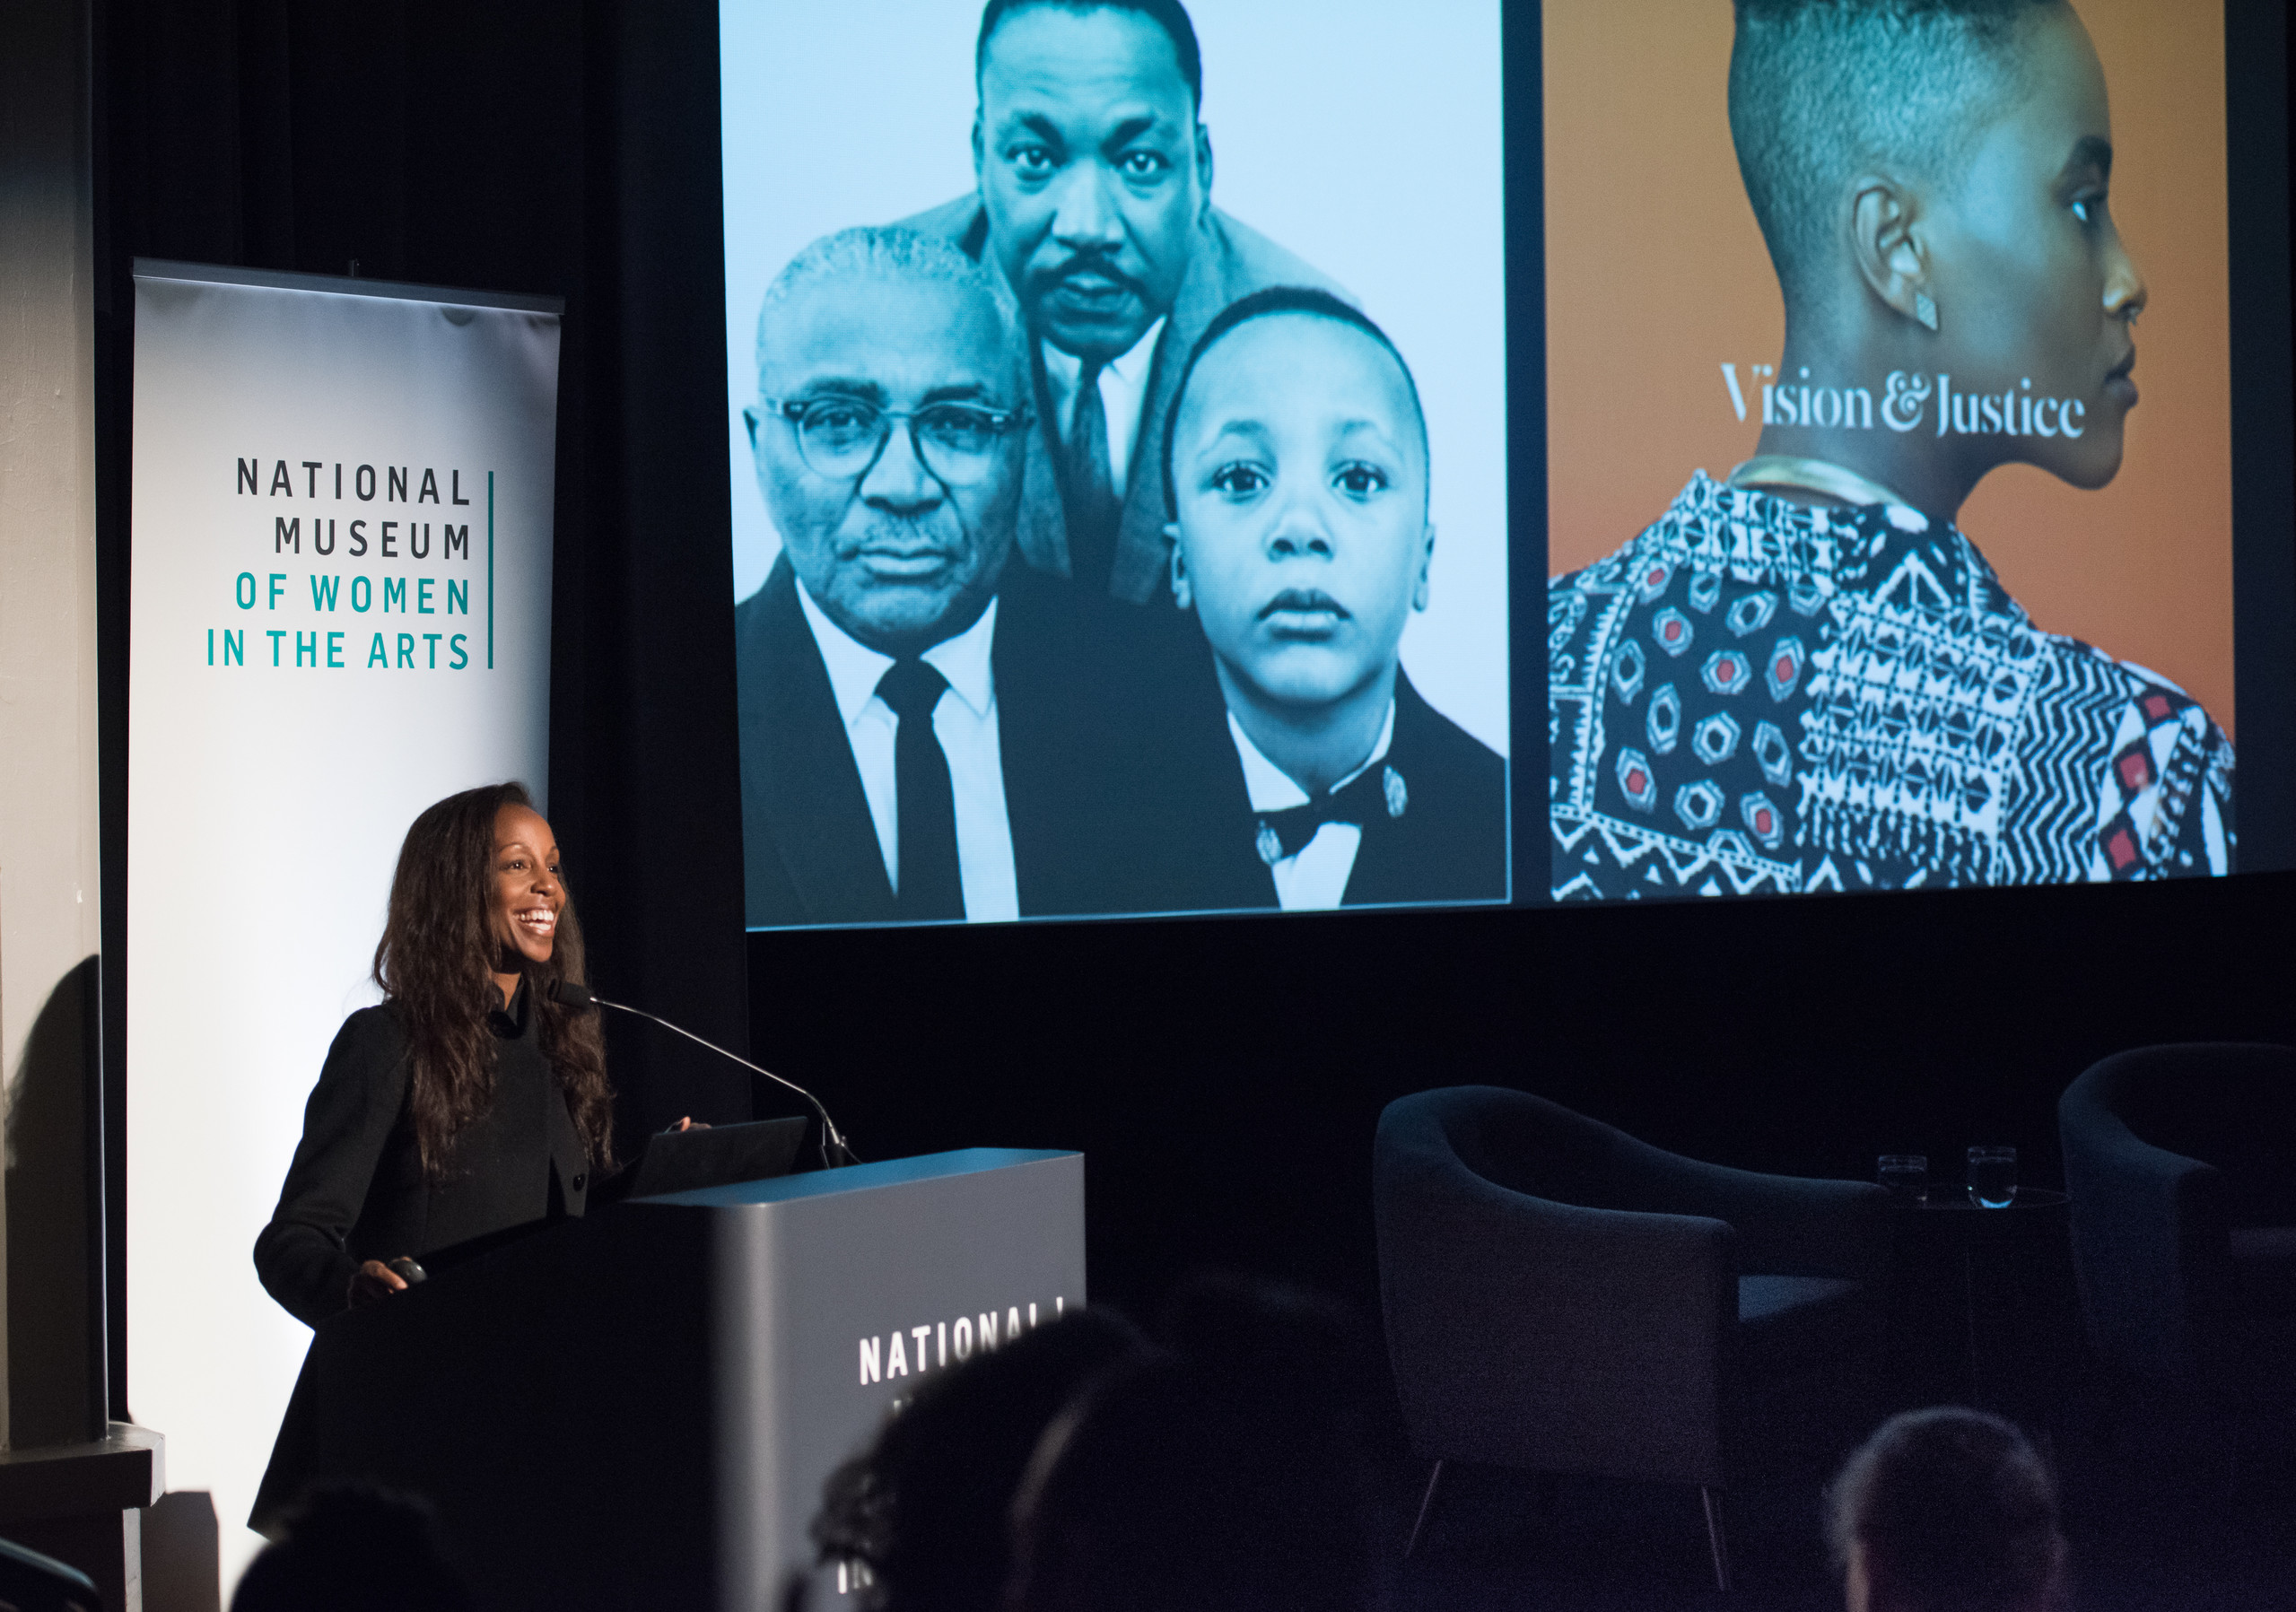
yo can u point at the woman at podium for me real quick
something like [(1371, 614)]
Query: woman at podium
[(470, 1100)]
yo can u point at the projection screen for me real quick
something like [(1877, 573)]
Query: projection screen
[(1162, 439)]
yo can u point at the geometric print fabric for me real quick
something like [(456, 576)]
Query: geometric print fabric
[(1760, 697)]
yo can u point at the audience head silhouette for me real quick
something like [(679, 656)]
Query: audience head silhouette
[(1948, 1509), (1224, 1474), (354, 1549), (925, 1512)]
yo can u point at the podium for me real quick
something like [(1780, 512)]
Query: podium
[(639, 1407)]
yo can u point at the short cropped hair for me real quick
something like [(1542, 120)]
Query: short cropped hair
[(1169, 16), (893, 252), (1259, 304), (1819, 88), (1954, 1509)]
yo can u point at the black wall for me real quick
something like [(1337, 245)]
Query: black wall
[(1222, 1077)]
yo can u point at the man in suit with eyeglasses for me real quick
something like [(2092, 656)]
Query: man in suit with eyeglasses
[(927, 734)]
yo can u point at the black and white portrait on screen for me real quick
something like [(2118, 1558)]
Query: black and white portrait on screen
[(926, 731), (1066, 150)]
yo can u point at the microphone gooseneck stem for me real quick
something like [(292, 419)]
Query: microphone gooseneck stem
[(832, 1141)]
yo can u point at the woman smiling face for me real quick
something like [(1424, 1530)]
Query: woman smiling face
[(2036, 294), (1300, 477), (525, 896)]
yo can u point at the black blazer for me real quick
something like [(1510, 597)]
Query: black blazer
[(1448, 844), (356, 1189), (1074, 673)]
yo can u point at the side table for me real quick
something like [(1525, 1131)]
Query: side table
[(1986, 1240)]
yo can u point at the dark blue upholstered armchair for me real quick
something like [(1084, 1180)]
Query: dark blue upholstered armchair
[(1562, 1298), (2181, 1160)]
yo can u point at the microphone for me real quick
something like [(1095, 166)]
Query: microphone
[(833, 1148)]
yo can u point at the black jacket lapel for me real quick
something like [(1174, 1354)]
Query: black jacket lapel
[(1449, 844), (810, 847)]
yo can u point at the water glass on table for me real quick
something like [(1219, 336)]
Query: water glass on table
[(1907, 1175), (1993, 1177)]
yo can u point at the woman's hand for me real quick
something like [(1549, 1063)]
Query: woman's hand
[(689, 1123), (374, 1280)]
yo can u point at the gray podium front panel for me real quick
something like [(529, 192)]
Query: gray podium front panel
[(837, 1291), (638, 1408)]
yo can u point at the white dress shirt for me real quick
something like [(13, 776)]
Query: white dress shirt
[(1315, 877), (1123, 393), (964, 721)]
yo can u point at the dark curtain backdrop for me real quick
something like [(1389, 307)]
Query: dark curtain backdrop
[(1223, 1077)]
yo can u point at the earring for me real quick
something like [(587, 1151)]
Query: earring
[(1924, 310)]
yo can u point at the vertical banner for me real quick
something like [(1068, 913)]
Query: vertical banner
[(340, 612)]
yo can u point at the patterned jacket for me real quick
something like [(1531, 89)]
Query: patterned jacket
[(1759, 697)]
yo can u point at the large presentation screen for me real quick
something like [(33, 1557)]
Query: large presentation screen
[(1156, 429), (1869, 570), (1118, 432)]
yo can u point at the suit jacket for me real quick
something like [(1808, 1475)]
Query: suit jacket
[(1231, 261), (1448, 844), (1074, 676), (356, 1189)]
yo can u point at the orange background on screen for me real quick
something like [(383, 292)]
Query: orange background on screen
[(1656, 276)]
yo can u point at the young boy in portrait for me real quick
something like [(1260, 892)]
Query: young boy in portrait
[(1296, 473)]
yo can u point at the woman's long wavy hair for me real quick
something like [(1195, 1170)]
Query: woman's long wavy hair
[(436, 965)]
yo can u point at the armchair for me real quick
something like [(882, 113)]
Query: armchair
[(1562, 1298), (2181, 1162)]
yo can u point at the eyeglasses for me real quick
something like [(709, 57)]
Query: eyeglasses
[(843, 438)]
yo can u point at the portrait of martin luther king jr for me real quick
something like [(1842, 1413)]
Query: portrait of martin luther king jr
[(1094, 171)]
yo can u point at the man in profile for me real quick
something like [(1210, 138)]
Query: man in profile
[(925, 736), (1094, 200)]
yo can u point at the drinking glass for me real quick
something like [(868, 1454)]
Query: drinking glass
[(1907, 1175), (1993, 1177)]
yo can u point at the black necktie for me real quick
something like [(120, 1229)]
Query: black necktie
[(1090, 493), (925, 807), (1372, 796)]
